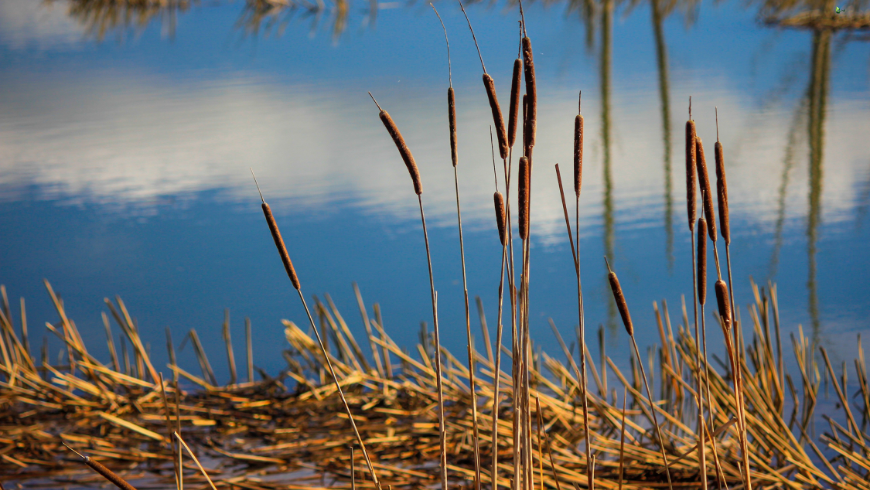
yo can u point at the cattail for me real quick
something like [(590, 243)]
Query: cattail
[(496, 115), (722, 299), (620, 299), (105, 472), (525, 175), (690, 172), (498, 199), (578, 151), (702, 260), (706, 190), (514, 103), (531, 91), (526, 134), (722, 192), (403, 148), (451, 116), (279, 243)]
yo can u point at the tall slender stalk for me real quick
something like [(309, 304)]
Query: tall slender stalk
[(294, 279)]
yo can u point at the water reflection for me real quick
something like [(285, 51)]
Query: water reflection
[(101, 17), (608, 206)]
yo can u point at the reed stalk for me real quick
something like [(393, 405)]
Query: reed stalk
[(578, 180), (451, 117), (691, 195), (622, 306), (294, 279), (500, 217), (408, 158)]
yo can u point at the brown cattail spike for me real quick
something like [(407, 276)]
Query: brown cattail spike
[(578, 153), (722, 189), (691, 171), (706, 190), (276, 236), (497, 117), (523, 196), (525, 123), (514, 103), (531, 91), (619, 298), (102, 470), (722, 299), (702, 260), (279, 243), (498, 199), (407, 157), (451, 116)]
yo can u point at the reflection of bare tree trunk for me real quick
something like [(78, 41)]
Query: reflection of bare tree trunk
[(662, 60), (788, 164), (818, 91), (609, 238)]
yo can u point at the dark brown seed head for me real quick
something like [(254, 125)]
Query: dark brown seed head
[(525, 123), (529, 69), (619, 298), (451, 116), (706, 190), (514, 102), (102, 470), (702, 260), (279, 244), (722, 192), (404, 151), (497, 118), (498, 199), (523, 196), (578, 153), (722, 299), (690, 173)]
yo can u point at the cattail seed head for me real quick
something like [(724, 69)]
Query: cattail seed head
[(619, 298), (722, 192), (526, 133), (722, 300), (706, 190), (578, 153), (525, 175), (514, 102), (690, 173), (451, 116), (404, 151), (102, 470), (279, 244), (498, 199), (529, 69), (497, 117), (702, 260)]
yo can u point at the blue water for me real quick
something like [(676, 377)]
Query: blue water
[(124, 170)]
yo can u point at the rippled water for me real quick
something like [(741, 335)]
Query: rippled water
[(125, 149)]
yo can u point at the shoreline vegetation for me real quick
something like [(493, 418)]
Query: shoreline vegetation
[(422, 418)]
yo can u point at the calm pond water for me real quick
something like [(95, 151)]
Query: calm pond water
[(126, 142)]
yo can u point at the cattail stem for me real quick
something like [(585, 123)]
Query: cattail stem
[(441, 422), (285, 257)]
